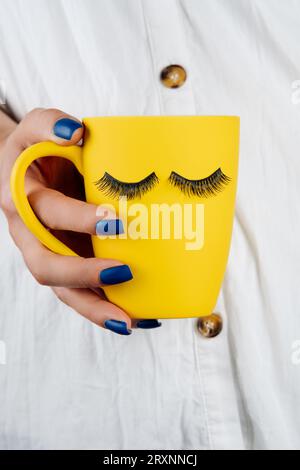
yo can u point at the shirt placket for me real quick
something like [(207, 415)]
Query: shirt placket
[(167, 40), (167, 45)]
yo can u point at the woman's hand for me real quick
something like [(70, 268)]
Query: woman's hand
[(67, 215)]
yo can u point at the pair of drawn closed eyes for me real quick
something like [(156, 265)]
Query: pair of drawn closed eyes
[(206, 187)]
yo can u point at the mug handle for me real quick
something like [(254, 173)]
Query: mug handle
[(17, 186)]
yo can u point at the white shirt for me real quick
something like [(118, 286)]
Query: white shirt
[(70, 384)]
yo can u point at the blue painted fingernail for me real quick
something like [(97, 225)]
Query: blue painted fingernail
[(147, 324), (65, 128), (117, 326), (115, 275), (109, 227)]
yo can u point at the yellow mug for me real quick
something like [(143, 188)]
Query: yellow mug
[(173, 180)]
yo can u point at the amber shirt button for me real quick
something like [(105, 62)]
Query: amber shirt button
[(210, 326), (173, 76)]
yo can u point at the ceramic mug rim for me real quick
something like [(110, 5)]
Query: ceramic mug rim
[(162, 117)]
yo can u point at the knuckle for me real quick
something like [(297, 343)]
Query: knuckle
[(42, 115), (35, 112), (35, 267), (54, 111), (89, 272), (51, 114), (39, 201), (39, 277), (85, 273), (23, 133), (60, 293)]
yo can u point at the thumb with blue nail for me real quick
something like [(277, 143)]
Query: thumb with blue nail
[(56, 194)]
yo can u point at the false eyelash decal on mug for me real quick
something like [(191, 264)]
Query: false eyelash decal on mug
[(209, 186), (115, 188)]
